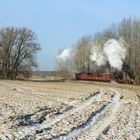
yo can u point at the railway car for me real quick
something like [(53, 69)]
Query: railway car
[(103, 77)]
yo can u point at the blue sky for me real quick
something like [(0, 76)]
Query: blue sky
[(60, 23)]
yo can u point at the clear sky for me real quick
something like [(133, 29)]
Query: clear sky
[(60, 23)]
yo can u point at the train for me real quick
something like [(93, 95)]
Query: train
[(102, 77)]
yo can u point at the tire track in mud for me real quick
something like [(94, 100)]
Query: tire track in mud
[(103, 122), (36, 129), (78, 106), (54, 128), (91, 121), (88, 122), (77, 130), (41, 127)]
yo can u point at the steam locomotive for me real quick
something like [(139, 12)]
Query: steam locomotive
[(102, 77)]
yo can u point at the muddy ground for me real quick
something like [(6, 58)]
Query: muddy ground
[(69, 110)]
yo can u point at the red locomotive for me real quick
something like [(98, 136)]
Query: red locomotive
[(104, 77)]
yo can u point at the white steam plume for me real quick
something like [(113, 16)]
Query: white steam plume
[(65, 58), (115, 53), (64, 55), (98, 56)]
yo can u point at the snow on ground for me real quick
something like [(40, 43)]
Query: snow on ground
[(69, 110)]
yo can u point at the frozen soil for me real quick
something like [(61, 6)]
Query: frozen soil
[(69, 111)]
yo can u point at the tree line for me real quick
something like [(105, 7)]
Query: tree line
[(18, 48), (128, 31)]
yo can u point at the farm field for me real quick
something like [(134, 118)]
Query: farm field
[(68, 110)]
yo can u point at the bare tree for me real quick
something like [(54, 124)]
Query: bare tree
[(82, 52), (64, 62), (129, 29), (18, 48)]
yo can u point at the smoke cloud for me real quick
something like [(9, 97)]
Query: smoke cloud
[(115, 53), (64, 55), (98, 57)]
